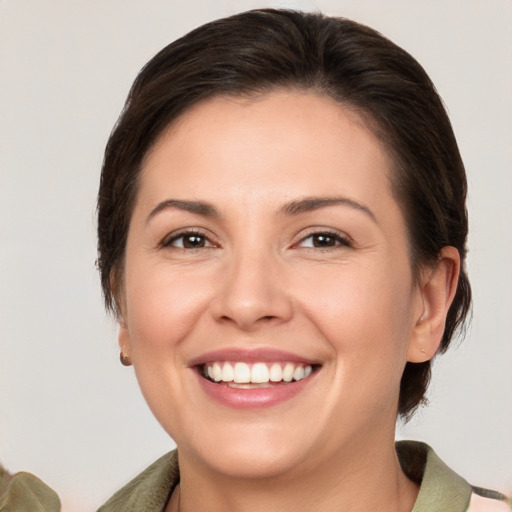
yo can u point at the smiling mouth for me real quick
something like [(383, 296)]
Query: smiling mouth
[(242, 375)]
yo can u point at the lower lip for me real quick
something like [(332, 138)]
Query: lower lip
[(255, 397)]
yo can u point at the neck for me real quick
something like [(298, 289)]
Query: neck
[(346, 482)]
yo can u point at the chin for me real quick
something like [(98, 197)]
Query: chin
[(250, 462), (255, 452)]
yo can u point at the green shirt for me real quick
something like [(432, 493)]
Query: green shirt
[(441, 489), (24, 492)]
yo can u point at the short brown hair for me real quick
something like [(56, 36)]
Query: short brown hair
[(259, 51)]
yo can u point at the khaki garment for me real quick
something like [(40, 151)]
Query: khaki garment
[(24, 492)]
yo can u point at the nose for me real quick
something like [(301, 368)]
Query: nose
[(252, 293)]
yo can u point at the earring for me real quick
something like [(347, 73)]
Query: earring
[(125, 359)]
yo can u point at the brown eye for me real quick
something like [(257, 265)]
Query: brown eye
[(193, 241), (324, 241), (188, 241)]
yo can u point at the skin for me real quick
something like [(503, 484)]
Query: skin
[(258, 281)]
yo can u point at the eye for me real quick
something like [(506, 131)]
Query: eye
[(188, 240), (325, 240)]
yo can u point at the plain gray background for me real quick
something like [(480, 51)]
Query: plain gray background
[(68, 411)]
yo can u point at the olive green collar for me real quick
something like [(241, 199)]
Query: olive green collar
[(441, 488), (23, 491)]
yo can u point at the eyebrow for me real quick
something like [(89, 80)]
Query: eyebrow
[(309, 204), (197, 207), (293, 208)]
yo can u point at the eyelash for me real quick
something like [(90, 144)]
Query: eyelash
[(168, 241), (336, 238), (339, 239)]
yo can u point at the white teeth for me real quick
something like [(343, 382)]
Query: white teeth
[(228, 374), (288, 372), (217, 372), (276, 373), (259, 373), (298, 374), (242, 373)]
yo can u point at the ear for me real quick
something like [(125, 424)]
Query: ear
[(437, 290), (123, 336), (125, 345)]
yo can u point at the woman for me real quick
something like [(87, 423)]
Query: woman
[(282, 230)]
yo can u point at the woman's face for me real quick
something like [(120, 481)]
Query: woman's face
[(266, 245)]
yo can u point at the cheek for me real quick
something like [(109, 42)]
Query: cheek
[(162, 306), (163, 309), (363, 311)]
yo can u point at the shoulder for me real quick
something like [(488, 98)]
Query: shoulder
[(148, 491), (441, 489), (24, 491)]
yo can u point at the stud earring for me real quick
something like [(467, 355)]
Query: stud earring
[(125, 359)]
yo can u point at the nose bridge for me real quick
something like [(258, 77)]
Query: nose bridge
[(252, 290)]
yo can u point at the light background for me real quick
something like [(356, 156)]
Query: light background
[(68, 411)]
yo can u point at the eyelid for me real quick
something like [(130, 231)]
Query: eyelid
[(168, 239), (343, 238)]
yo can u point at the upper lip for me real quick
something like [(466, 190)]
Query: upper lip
[(256, 355)]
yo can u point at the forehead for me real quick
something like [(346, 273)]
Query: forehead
[(276, 146)]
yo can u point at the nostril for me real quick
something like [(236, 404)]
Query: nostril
[(265, 318)]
